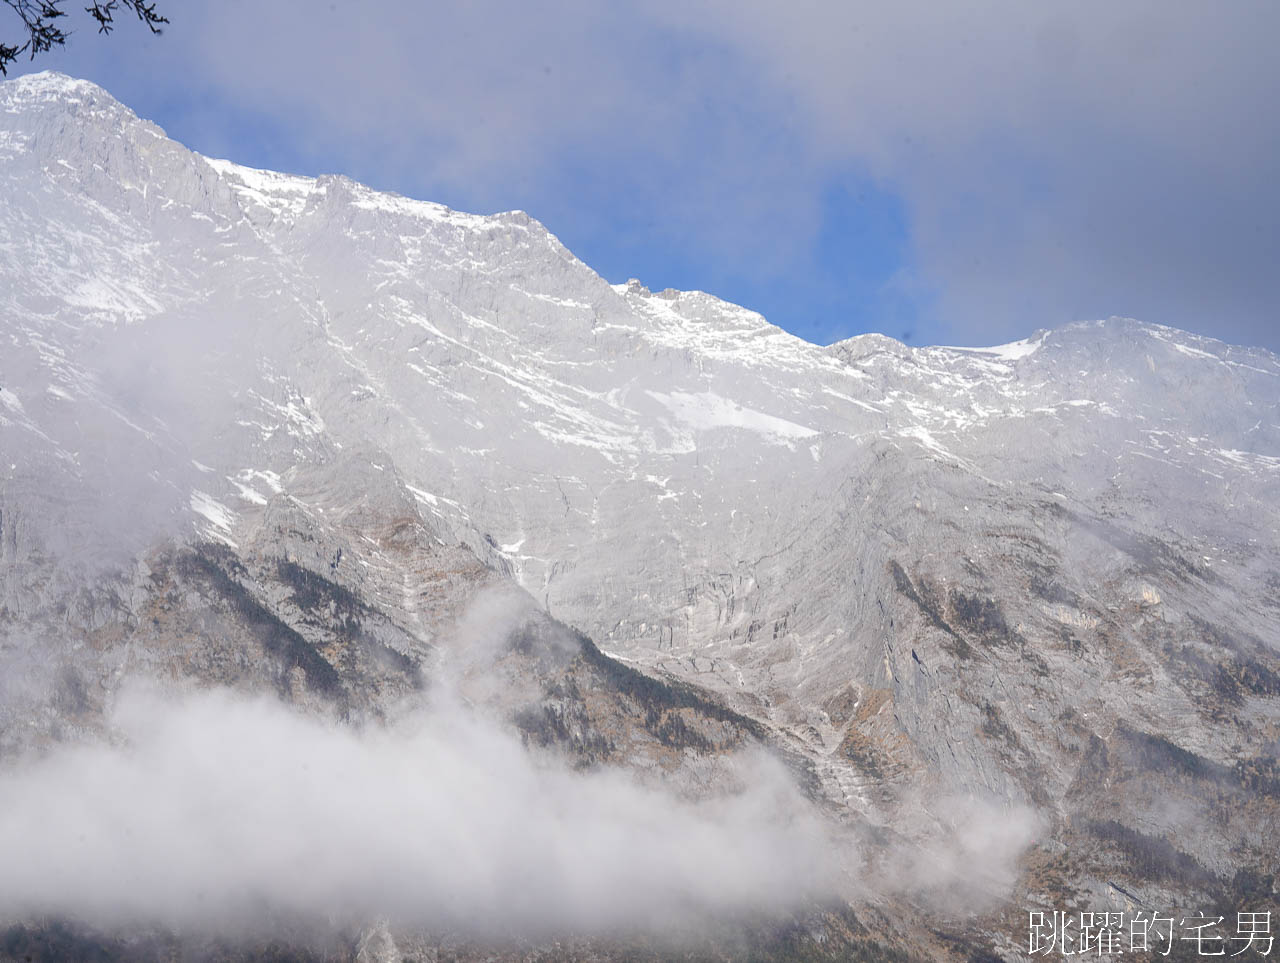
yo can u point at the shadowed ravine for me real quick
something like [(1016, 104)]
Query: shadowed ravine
[(379, 583)]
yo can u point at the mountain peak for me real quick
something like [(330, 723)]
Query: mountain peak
[(64, 109), (284, 433), (50, 85)]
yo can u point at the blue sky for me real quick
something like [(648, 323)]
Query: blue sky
[(962, 173)]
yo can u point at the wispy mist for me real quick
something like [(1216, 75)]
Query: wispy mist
[(968, 861), (213, 810), (1045, 162)]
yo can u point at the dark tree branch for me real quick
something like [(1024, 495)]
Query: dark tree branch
[(43, 32), (103, 11)]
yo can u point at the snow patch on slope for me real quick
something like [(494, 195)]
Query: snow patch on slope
[(707, 411), (281, 193), (1013, 351), (220, 517)]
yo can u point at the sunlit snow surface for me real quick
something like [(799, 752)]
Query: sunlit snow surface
[(1013, 351), (306, 370), (232, 328)]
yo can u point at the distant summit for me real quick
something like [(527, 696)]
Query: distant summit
[(1005, 616)]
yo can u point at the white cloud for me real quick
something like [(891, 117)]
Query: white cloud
[(1057, 160), (210, 810)]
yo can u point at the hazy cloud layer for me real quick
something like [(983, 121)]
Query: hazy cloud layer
[(1054, 161), (211, 810), (1060, 161)]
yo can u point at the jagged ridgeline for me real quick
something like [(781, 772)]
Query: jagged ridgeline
[(1001, 622)]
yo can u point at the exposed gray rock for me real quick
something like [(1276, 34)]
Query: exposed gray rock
[(1042, 575)]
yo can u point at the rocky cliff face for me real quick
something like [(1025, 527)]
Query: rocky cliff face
[(274, 432)]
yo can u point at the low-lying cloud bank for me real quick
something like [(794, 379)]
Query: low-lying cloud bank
[(213, 810)]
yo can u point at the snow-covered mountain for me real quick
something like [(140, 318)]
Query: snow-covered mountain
[(1043, 577)]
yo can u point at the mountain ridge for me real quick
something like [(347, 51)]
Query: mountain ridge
[(1040, 575)]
